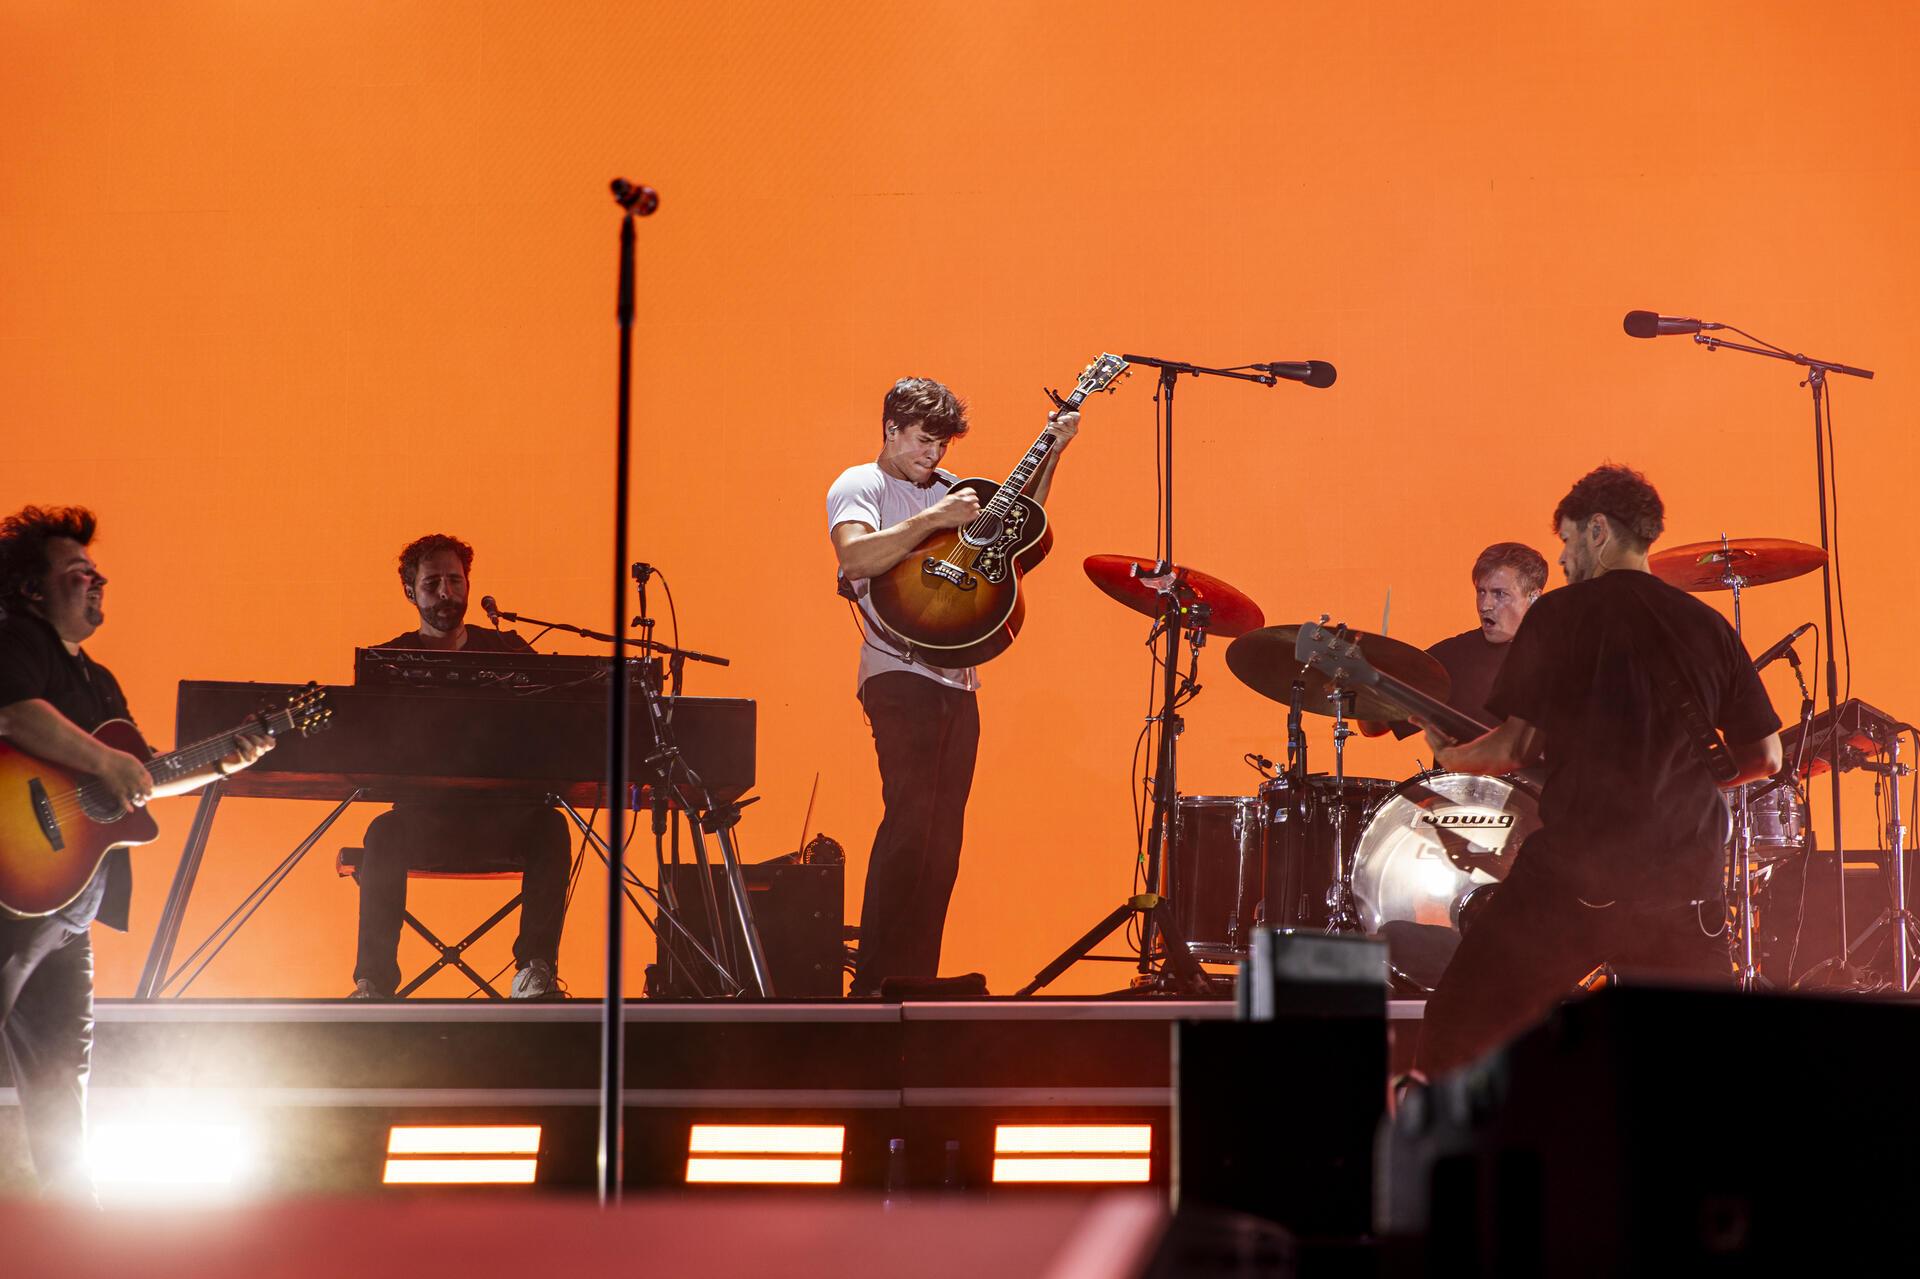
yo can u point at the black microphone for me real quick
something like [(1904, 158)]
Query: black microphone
[(1646, 324), (1781, 649), (491, 609), (635, 199), (1311, 372)]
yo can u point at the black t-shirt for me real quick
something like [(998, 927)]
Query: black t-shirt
[(36, 666), (1629, 811), (480, 639), (1473, 664)]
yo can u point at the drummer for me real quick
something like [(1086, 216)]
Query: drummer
[(1507, 578)]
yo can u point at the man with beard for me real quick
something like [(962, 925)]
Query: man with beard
[(52, 698), (472, 835), (1633, 692), (1507, 578)]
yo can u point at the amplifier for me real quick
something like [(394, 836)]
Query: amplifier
[(800, 911)]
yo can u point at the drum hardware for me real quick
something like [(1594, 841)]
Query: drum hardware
[(1185, 604), (1903, 929), (1734, 565)]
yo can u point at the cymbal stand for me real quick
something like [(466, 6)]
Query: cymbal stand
[(1740, 869), (1342, 915)]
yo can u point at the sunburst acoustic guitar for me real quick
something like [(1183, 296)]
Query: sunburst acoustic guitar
[(955, 601), (56, 825)]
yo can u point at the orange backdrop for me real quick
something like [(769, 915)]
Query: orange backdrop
[(284, 285)]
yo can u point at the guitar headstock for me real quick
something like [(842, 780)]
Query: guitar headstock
[(1334, 653), (1096, 377), (1099, 376), (305, 712)]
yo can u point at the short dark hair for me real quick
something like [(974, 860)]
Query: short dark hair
[(23, 545), (923, 400), (1632, 506), (431, 544), (1529, 565)]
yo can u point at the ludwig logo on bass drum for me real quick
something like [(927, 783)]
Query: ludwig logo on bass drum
[(1468, 821)]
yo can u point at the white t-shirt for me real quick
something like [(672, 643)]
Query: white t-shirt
[(870, 496)]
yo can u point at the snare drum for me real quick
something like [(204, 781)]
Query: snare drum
[(1214, 873), (1300, 863)]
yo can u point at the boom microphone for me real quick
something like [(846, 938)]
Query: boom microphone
[(491, 609), (1646, 324), (1312, 372), (1781, 649)]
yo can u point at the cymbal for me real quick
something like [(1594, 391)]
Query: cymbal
[(1125, 579), (1756, 561), (1264, 661)]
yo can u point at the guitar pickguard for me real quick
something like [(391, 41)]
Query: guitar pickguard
[(996, 561)]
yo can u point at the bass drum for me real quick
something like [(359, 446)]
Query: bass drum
[(1433, 842)]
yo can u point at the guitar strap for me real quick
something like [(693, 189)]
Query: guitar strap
[(1707, 744)]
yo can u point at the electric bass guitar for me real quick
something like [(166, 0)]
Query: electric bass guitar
[(955, 601), (56, 825), (1338, 657)]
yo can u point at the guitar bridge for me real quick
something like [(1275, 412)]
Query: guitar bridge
[(43, 813), (947, 572)]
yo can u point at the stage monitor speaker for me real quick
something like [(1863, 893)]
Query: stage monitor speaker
[(800, 911), (1645, 1130), (1275, 1113)]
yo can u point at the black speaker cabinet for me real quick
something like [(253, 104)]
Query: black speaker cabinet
[(799, 910), (1666, 1131)]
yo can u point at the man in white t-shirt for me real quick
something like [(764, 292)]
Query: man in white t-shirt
[(925, 721)]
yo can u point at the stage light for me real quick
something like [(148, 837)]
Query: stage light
[(1072, 1153), (452, 1139), (461, 1155), (138, 1158), (765, 1154), (459, 1172)]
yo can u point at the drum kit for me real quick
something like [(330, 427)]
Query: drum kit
[(1408, 860)]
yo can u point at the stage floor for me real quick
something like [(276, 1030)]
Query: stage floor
[(330, 1076)]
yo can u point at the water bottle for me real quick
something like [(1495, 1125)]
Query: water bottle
[(896, 1191)]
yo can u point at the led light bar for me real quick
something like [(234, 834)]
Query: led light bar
[(765, 1154), (461, 1155), (450, 1139), (1072, 1153), (767, 1139), (459, 1172), (1072, 1139)]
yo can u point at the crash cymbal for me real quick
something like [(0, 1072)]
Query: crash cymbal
[(1129, 580), (1756, 561), (1264, 661)]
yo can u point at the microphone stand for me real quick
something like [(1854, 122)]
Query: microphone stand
[(644, 644), (1816, 382), (612, 1153), (1165, 777)]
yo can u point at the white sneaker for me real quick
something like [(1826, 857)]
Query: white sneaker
[(537, 980)]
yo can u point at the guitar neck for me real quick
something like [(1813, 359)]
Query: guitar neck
[(1036, 457), (1456, 724), (201, 755)]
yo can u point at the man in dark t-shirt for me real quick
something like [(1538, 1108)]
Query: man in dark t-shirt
[(1507, 578), (52, 698), (472, 835), (1627, 868)]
